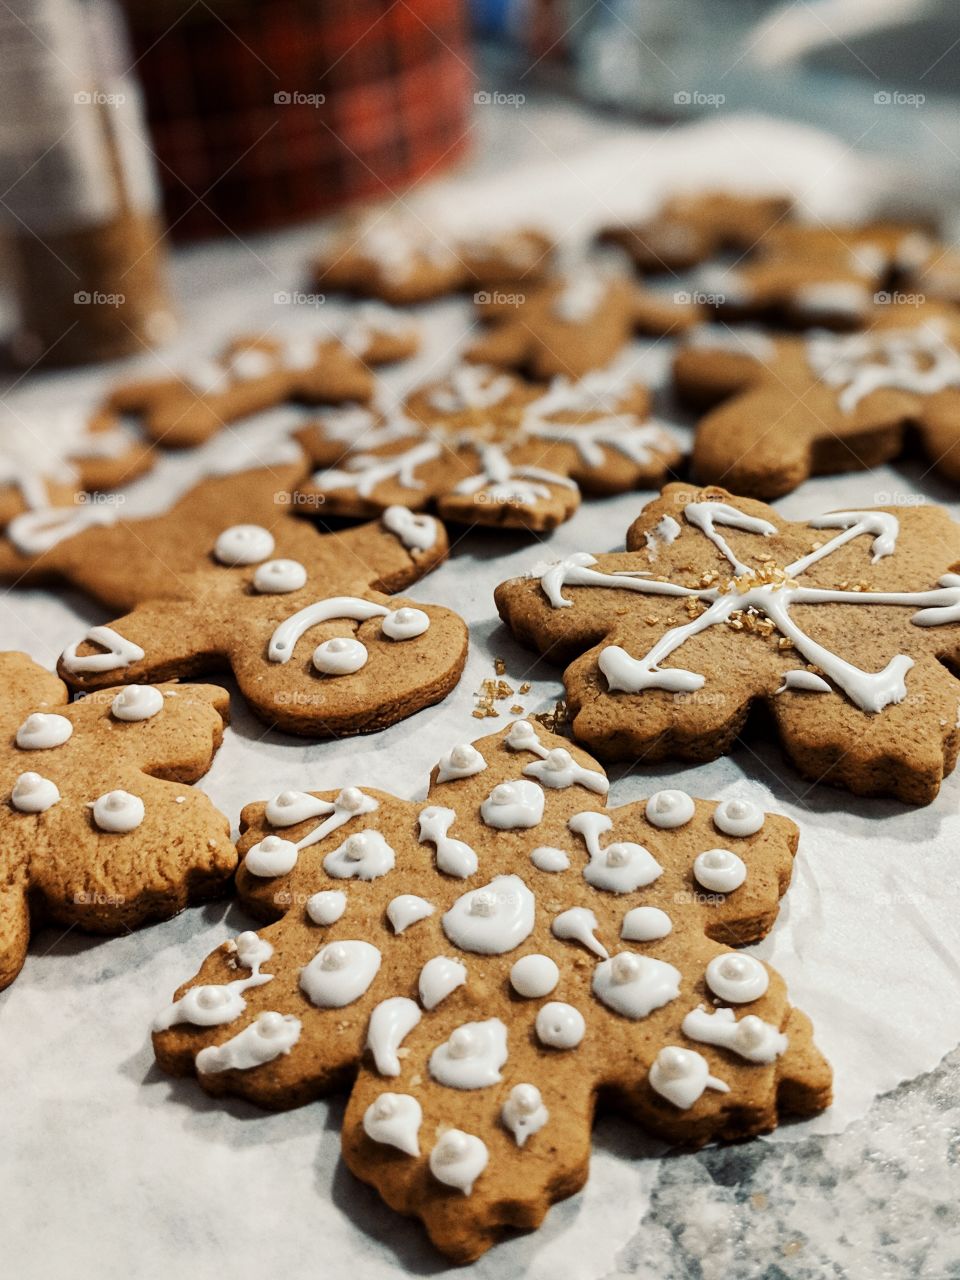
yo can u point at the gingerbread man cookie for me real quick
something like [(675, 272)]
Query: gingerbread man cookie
[(485, 965), (688, 229), (367, 660), (573, 324), (255, 373), (846, 628), (56, 459), (798, 407), (818, 276), (485, 447), (99, 825), (403, 261)]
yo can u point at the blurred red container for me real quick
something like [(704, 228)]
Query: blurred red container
[(265, 113)]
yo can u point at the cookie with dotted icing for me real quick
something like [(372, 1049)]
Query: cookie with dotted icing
[(485, 447), (482, 1034), (306, 621), (61, 458), (846, 627), (100, 827), (253, 373), (403, 261), (691, 227), (573, 323), (794, 407)]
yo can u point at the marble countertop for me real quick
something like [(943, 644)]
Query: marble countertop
[(111, 1168)]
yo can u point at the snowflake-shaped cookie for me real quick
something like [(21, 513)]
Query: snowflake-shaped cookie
[(489, 963), (256, 373), (485, 447), (797, 407), (574, 323), (403, 261), (56, 458), (302, 618), (99, 827), (844, 627)]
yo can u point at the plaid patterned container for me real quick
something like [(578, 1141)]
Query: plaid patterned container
[(266, 112)]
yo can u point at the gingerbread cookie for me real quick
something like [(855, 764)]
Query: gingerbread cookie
[(255, 373), (403, 261), (817, 276), (800, 407), (690, 228), (56, 459), (846, 628), (367, 660), (101, 828), (485, 447), (491, 961), (572, 324)]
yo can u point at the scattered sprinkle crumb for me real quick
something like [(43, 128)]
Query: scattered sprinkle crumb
[(499, 666), (516, 709), (525, 687)]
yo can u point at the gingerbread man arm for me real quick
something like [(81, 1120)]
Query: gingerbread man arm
[(102, 828), (474, 1098)]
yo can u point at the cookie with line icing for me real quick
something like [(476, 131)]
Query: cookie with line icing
[(57, 458), (823, 275), (305, 621), (478, 1005), (486, 447), (189, 405), (796, 407), (403, 261), (846, 628), (573, 323), (99, 826), (689, 228)]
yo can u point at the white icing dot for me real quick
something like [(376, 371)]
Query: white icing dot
[(462, 761), (340, 973), (458, 1160), (33, 793), (326, 907), (534, 976), (523, 1113), (244, 544), (635, 985), (719, 870), (405, 624), (738, 817), (43, 730), (118, 812), (438, 978), (546, 858), (669, 809), (408, 909), (681, 1075), (737, 978), (272, 856), (472, 1055), (365, 855), (279, 577), (560, 1026), (645, 924), (340, 656), (512, 805), (492, 919), (137, 702), (394, 1119)]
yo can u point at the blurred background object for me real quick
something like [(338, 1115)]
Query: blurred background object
[(79, 206), (265, 114)]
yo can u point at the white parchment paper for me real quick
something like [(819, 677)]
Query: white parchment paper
[(112, 1167)]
